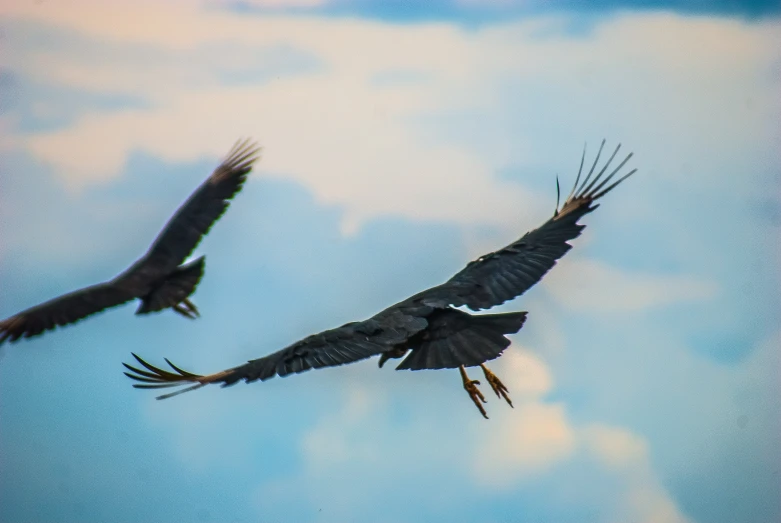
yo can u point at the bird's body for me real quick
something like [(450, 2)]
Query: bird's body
[(160, 278), (428, 328)]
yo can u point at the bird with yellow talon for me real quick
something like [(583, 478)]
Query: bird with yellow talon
[(428, 329)]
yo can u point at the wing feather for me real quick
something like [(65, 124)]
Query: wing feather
[(66, 309), (507, 273), (451, 338), (203, 208), (346, 344), (458, 338)]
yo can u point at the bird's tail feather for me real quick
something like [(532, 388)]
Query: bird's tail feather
[(177, 287), (476, 339)]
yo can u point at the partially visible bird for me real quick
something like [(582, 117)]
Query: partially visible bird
[(160, 279), (428, 328)]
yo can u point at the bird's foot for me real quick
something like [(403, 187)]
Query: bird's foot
[(184, 312), (470, 386), (499, 388), (186, 309), (191, 307)]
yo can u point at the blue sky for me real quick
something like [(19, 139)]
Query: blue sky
[(472, 12), (398, 145)]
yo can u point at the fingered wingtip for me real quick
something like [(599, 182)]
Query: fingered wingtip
[(592, 185), (157, 378), (180, 371), (182, 391), (244, 153)]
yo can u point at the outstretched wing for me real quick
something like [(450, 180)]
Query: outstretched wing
[(486, 282), (507, 273), (66, 309), (202, 209), (346, 344)]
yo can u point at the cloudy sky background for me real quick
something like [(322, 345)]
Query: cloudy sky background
[(400, 141)]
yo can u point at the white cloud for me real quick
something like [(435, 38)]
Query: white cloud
[(525, 374), (528, 439), (590, 285), (515, 446), (521, 94), (328, 444), (645, 500), (525, 442), (652, 505), (323, 149), (276, 3), (381, 148), (615, 447)]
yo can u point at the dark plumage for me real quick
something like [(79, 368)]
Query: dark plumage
[(158, 279), (427, 327)]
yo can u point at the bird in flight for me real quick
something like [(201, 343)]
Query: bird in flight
[(427, 329), (160, 278)]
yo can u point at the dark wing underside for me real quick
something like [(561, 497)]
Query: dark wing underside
[(484, 283), (176, 287), (456, 338), (202, 209), (66, 309), (346, 344), (172, 246), (507, 273)]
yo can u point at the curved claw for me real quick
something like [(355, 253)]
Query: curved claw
[(474, 393), (476, 396), (191, 308), (184, 312), (500, 389)]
